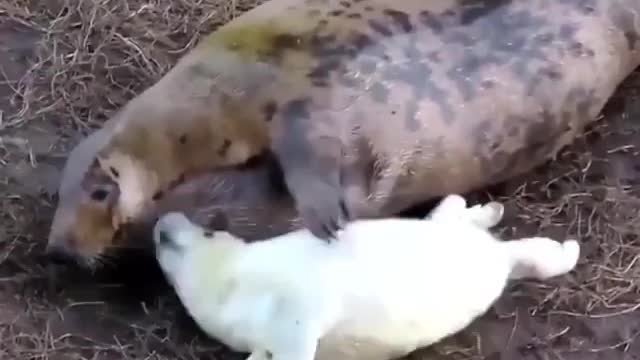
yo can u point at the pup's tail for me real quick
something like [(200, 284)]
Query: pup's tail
[(541, 257)]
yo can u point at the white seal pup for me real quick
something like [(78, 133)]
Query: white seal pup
[(387, 288)]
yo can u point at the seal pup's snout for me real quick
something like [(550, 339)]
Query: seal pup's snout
[(169, 228)]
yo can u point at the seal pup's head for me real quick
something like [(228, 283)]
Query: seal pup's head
[(179, 243)]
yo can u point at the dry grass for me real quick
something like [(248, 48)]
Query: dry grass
[(95, 55)]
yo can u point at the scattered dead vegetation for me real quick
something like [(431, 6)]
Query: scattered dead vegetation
[(95, 54)]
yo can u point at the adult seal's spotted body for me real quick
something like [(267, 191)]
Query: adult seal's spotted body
[(377, 105), (370, 106)]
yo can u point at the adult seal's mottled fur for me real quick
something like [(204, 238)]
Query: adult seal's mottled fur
[(376, 104), (371, 106)]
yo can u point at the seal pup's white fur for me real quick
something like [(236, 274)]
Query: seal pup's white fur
[(388, 287)]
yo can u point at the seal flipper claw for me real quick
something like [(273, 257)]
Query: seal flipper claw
[(320, 204)]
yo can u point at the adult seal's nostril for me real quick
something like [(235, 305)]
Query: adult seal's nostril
[(59, 254)]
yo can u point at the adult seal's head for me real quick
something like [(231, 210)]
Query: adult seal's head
[(83, 222), (250, 202)]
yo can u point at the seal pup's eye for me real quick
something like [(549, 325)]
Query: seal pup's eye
[(164, 239), (99, 194)]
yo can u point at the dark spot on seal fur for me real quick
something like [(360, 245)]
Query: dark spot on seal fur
[(296, 109), (320, 83), (331, 55), (345, 4), (578, 49), (488, 84), (157, 195), (380, 28), (400, 19), (551, 73), (368, 8), (114, 172), (355, 16), (545, 38), (224, 147), (208, 234), (568, 31), (269, 110), (183, 139), (361, 41), (336, 12), (282, 42), (449, 14), (495, 145), (431, 22), (379, 93), (323, 46)]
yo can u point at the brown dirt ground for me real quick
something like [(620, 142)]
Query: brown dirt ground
[(67, 64)]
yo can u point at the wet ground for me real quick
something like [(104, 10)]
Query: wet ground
[(49, 98)]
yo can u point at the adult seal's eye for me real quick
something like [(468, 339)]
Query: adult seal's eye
[(99, 194)]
